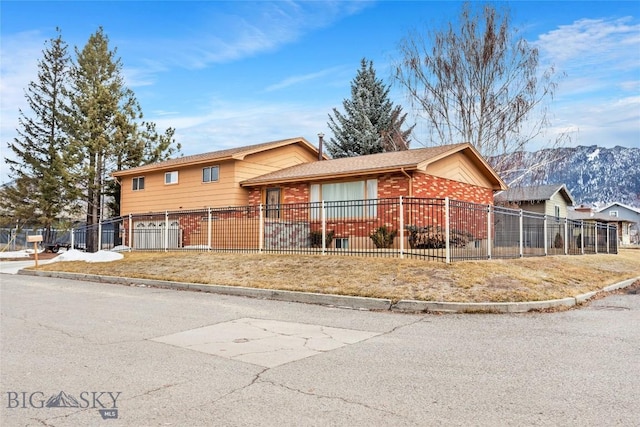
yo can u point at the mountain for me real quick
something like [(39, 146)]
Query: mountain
[(593, 175)]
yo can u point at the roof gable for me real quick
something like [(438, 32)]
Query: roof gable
[(610, 205), (538, 193), (237, 153), (415, 159)]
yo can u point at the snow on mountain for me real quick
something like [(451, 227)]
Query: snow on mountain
[(593, 175)]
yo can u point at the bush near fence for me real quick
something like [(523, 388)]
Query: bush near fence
[(440, 229)]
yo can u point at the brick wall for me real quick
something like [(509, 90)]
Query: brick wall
[(428, 186)]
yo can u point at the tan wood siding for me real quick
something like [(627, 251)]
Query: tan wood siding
[(191, 193), (272, 160), (458, 167)]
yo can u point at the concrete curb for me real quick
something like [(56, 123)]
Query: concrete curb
[(342, 301)]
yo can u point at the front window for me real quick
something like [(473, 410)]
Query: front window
[(138, 183), (557, 211), (210, 174), (171, 177), (347, 199)]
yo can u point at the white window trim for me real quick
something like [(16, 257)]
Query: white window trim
[(133, 183), (370, 186), (217, 167), (172, 174)]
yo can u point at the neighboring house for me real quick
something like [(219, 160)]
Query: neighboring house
[(586, 214), (615, 213), (551, 200), (628, 220), (206, 180)]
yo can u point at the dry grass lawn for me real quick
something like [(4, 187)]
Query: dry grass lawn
[(527, 279)]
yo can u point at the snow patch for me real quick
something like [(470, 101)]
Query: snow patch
[(15, 254), (100, 256), (591, 157)]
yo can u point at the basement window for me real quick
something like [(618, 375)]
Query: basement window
[(342, 243)]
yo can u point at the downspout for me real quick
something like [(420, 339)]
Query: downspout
[(410, 181)]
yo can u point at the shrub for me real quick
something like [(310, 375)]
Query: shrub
[(383, 237), (558, 241), (316, 238)]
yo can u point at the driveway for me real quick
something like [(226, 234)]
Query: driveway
[(108, 355)]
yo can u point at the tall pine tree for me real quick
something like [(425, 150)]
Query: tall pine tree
[(42, 191), (105, 131), (370, 123)]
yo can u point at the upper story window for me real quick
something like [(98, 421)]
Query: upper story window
[(138, 183), (613, 213), (210, 174), (557, 211), (171, 177)]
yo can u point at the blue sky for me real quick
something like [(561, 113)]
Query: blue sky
[(226, 74)]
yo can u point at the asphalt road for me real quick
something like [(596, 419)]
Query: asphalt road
[(95, 353)]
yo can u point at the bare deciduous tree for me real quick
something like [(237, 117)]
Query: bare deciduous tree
[(477, 81)]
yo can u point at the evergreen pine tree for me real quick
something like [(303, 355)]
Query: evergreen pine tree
[(42, 191), (370, 123), (105, 131)]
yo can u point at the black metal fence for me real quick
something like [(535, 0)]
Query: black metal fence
[(439, 229)]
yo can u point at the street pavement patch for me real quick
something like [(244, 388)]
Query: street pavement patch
[(267, 343)]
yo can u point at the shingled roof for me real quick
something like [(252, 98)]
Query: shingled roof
[(372, 164), (537, 193), (237, 153)]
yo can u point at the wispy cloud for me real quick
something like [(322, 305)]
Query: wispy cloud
[(230, 124), (19, 53), (599, 96), (249, 29), (593, 42), (294, 80)]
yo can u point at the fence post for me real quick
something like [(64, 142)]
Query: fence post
[(447, 246), (582, 237), (608, 232), (544, 226), (401, 209), (99, 234), (489, 231), (521, 234), (566, 236), (209, 228), (130, 232), (324, 228), (166, 231), (260, 229), (597, 233), (73, 246)]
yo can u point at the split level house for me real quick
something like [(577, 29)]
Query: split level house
[(293, 171)]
